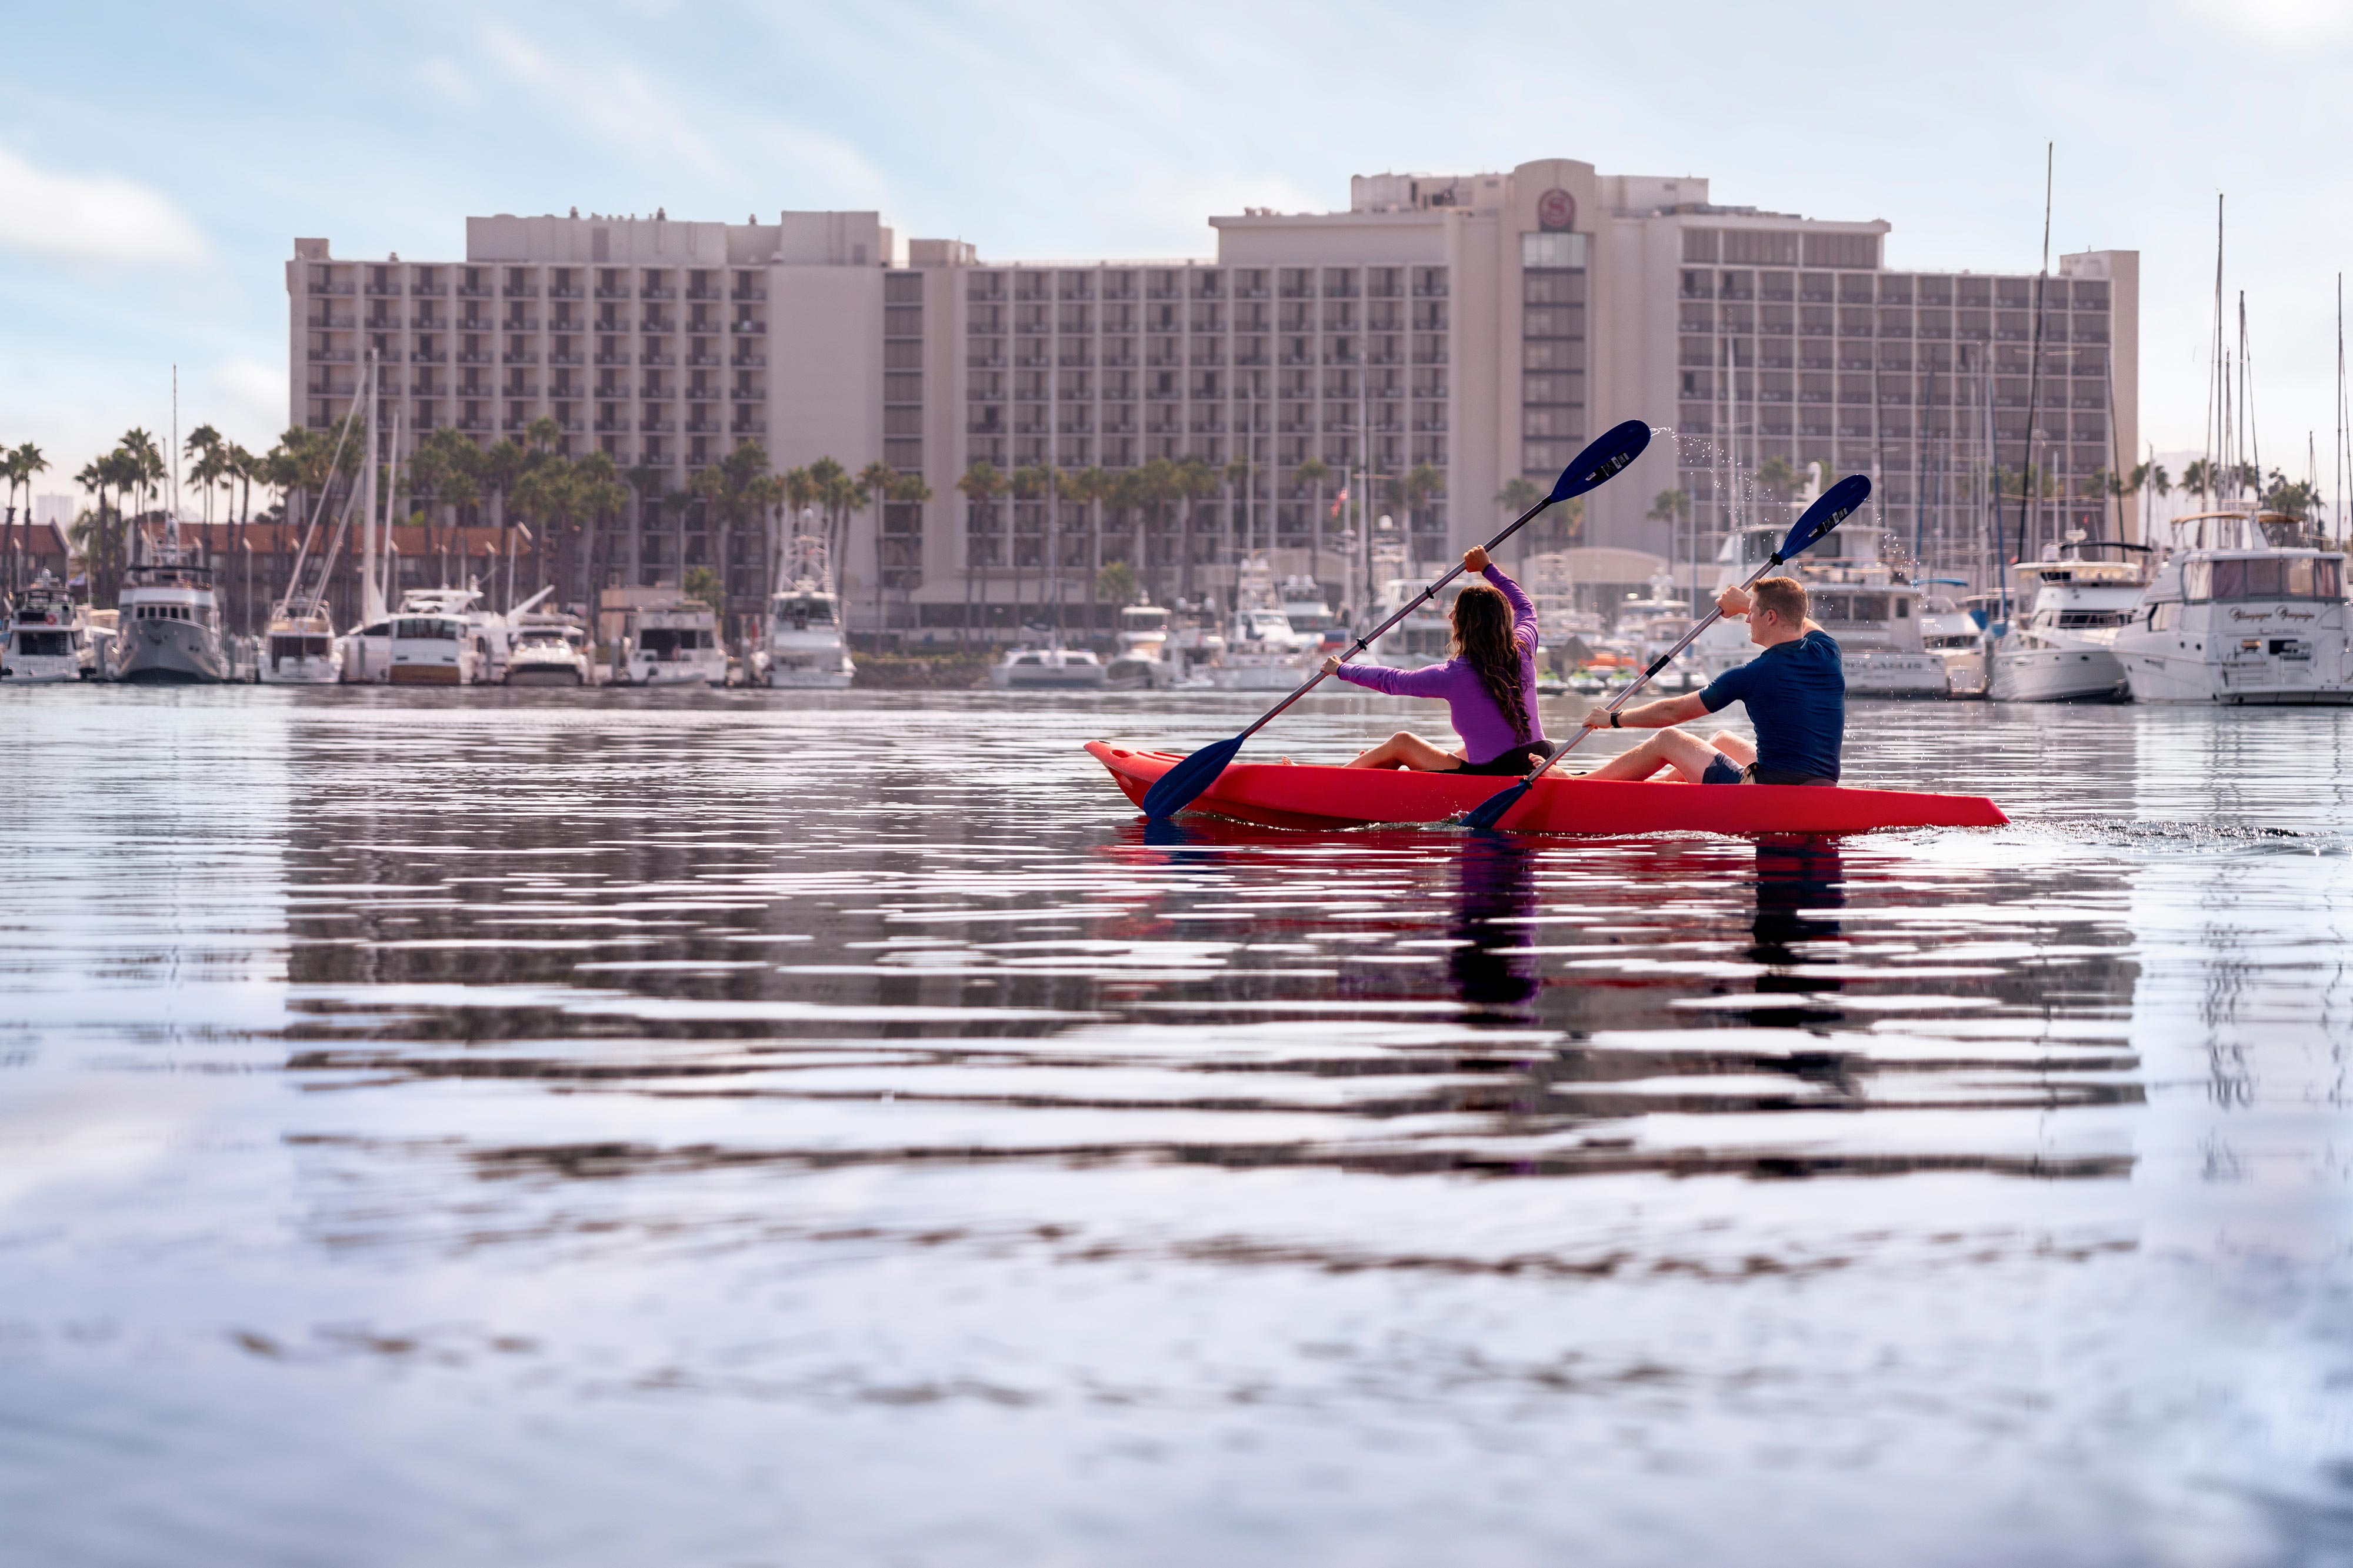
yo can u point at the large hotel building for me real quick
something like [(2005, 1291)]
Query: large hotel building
[(1469, 329)]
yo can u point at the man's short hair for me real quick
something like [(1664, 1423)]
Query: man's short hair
[(1785, 597)]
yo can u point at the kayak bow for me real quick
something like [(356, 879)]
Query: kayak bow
[(1278, 795)]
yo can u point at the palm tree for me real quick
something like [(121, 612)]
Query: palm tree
[(645, 483), (874, 482), (1085, 486), (909, 489), (1776, 479), (496, 474), (1312, 473), (2199, 478), (1194, 481), (601, 498), (1419, 485), (23, 465), (981, 485), (1031, 481), (1156, 485)]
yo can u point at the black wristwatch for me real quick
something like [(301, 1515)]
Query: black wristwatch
[(1613, 719)]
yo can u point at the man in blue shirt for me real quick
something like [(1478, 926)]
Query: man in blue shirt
[(1795, 693)]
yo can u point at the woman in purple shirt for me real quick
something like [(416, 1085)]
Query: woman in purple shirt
[(1490, 685)]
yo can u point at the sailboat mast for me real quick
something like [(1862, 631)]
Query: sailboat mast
[(371, 596), (2033, 369)]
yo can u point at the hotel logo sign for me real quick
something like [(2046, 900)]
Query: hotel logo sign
[(1556, 209)]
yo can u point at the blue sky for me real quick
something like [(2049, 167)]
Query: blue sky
[(156, 162)]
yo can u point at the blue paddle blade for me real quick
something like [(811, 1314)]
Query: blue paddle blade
[(1603, 460), (1490, 811), (1838, 503), (1174, 790)]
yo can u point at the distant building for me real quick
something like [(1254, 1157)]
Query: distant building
[(1473, 330), (56, 509)]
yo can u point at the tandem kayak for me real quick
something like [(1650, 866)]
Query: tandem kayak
[(1278, 795)]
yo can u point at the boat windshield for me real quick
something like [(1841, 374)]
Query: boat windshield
[(33, 644), (2263, 577), (666, 642), (421, 628), (806, 609)]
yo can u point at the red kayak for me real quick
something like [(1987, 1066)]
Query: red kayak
[(1282, 796)]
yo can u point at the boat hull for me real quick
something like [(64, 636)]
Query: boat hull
[(1894, 672), (39, 669), (2057, 675), (1276, 796), (425, 675), (809, 680), (169, 651)]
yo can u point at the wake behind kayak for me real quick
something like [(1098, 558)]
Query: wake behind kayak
[(1278, 795)]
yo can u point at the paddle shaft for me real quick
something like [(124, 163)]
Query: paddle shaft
[(1656, 665), (1370, 637)]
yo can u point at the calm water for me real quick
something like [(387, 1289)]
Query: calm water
[(739, 1129)]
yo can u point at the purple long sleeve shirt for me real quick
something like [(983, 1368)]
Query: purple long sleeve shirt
[(1479, 719)]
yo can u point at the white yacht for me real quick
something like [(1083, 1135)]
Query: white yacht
[(168, 626), (1954, 634), (47, 638), (1047, 668), (548, 649), (2058, 648), (805, 650), (300, 648), (2247, 606), (1649, 624), (1266, 650), (1303, 607), (672, 644), (1144, 658), (1858, 598)]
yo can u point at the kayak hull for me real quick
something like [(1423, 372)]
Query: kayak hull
[(1276, 796)]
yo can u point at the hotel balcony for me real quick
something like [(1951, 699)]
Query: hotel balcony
[(519, 291), (747, 394), (334, 289), (743, 359), (566, 291), (751, 327), (612, 291)]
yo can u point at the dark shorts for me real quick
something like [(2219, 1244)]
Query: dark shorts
[(1515, 762), (1722, 771)]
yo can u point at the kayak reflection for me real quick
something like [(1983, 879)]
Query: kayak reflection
[(1493, 968)]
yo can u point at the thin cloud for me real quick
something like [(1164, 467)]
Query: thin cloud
[(643, 119), (2280, 23), (446, 79), (91, 219)]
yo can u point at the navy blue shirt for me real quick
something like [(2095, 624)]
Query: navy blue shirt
[(1796, 695)]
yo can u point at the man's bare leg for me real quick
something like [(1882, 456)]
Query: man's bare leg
[(1404, 749), (1683, 751)]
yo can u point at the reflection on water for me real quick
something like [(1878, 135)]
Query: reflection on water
[(733, 1127)]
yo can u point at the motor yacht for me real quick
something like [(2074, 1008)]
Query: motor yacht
[(1862, 601), (672, 644), (2058, 648), (47, 637), (1953, 632), (2247, 606), (168, 626), (1144, 660), (300, 648), (548, 649), (806, 650), (1047, 668)]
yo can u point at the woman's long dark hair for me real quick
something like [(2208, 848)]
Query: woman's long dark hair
[(1482, 636)]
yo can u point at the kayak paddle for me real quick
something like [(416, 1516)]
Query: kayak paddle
[(1594, 467), (1836, 505)]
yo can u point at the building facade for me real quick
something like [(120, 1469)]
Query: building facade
[(1442, 338)]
